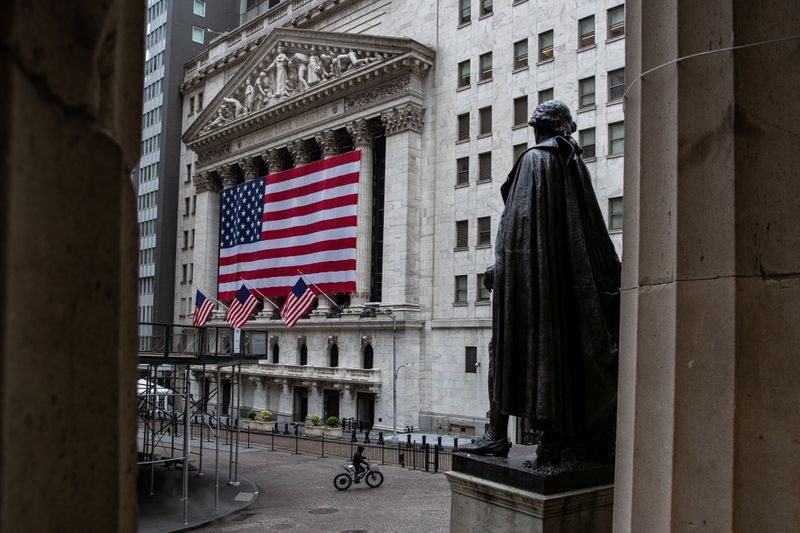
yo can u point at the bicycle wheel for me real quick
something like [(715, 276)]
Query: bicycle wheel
[(374, 479), (342, 481)]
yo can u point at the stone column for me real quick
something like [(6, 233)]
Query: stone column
[(227, 176), (272, 160), (315, 406), (401, 199), (299, 152), (330, 147), (259, 394), (286, 400), (708, 417), (347, 402), (248, 167), (361, 133), (206, 243)]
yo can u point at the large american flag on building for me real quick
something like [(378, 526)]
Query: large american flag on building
[(302, 219)]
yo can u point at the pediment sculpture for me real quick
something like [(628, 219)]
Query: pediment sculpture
[(284, 73)]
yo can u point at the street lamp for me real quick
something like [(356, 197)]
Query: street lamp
[(371, 310)]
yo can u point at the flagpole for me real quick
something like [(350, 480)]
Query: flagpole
[(259, 293), (205, 293), (320, 290)]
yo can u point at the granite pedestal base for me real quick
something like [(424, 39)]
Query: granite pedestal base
[(501, 494)]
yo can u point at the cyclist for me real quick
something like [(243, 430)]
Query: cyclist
[(358, 463)]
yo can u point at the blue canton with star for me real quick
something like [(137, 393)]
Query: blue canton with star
[(241, 211)]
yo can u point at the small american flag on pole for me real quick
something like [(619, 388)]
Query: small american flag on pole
[(301, 218), (297, 303), (241, 307), (202, 309)]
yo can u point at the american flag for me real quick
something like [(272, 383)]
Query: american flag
[(297, 303), (202, 309), (302, 219), (241, 307)]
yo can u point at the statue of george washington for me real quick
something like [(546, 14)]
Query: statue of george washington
[(555, 303)]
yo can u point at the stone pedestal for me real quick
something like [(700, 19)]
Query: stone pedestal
[(502, 494)]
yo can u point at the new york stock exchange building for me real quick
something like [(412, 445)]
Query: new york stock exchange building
[(413, 117)]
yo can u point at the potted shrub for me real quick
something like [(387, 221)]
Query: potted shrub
[(333, 427), (314, 426), (264, 421)]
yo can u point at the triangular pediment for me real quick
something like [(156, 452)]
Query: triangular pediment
[(296, 67)]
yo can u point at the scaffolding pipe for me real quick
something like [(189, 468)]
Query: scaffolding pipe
[(153, 371), (186, 448), (216, 458), (238, 413)]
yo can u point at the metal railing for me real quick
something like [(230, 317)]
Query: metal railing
[(181, 341)]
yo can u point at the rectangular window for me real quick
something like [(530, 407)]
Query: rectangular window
[(185, 240), (586, 32), (485, 115), (183, 273), (461, 290), (545, 95), (616, 84), (486, 7), (616, 138), (465, 11), (194, 204), (191, 243), (191, 106), (485, 167), (463, 74), (188, 173), (186, 207), (471, 359), (586, 93), (587, 142), (521, 54), (486, 66), (482, 294), (462, 234), (615, 213), (519, 149), (199, 8), (462, 171), (616, 21), (183, 306), (191, 272), (463, 127), (546, 45), (521, 111), (198, 35), (484, 231), (199, 101)]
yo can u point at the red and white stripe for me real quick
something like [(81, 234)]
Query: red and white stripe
[(294, 307), (201, 315), (238, 314), (309, 224)]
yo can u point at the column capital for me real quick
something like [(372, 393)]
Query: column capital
[(272, 159), (248, 168), (361, 131), (299, 152), (206, 181), (327, 141), (227, 176), (402, 118)]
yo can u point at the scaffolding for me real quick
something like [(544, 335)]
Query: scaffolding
[(168, 411)]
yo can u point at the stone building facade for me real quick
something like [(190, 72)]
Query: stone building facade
[(437, 99)]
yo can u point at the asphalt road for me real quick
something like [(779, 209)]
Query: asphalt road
[(296, 494)]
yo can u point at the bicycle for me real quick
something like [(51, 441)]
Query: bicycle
[(373, 477)]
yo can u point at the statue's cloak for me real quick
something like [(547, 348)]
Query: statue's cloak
[(556, 296)]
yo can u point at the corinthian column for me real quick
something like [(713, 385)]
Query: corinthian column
[(361, 132), (271, 159), (206, 245), (299, 152), (248, 168), (327, 142)]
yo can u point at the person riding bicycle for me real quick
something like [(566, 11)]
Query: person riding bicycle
[(358, 463)]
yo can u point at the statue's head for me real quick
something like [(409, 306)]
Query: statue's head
[(552, 118)]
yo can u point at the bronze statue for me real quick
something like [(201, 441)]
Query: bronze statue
[(555, 303)]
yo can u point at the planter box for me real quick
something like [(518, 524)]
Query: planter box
[(329, 432), (258, 425)]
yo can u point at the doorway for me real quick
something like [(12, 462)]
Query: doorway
[(300, 411), (365, 409), (331, 403)]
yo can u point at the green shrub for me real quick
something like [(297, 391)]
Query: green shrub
[(251, 414), (315, 420), (266, 415), (333, 422)]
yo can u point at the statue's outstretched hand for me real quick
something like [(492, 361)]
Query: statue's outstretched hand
[(488, 278)]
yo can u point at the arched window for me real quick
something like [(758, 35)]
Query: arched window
[(276, 353), (334, 355), (303, 354), (368, 356)]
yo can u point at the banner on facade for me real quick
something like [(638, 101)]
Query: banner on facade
[(302, 219)]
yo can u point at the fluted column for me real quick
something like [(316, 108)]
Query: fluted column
[(327, 141), (403, 126), (248, 167), (206, 243), (361, 132), (299, 152), (272, 160)]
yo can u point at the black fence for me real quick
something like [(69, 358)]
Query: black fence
[(408, 453)]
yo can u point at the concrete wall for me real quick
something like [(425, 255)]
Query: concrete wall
[(70, 136)]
